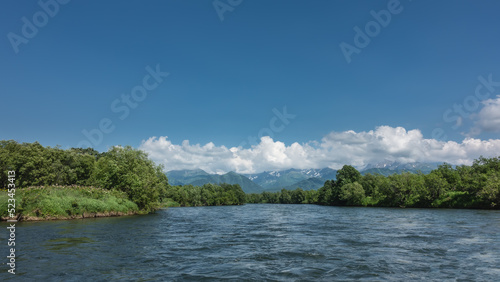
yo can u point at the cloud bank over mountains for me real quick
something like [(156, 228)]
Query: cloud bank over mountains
[(385, 143)]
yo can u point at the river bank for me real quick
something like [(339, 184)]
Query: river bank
[(67, 202)]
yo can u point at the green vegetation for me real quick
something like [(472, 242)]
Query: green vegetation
[(476, 186), (128, 182), (121, 168), (130, 171), (206, 195), (57, 202), (297, 196)]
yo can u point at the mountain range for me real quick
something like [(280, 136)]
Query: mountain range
[(388, 168), (307, 179)]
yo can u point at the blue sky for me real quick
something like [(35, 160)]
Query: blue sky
[(226, 76)]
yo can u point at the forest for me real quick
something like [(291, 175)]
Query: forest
[(123, 170), (134, 178), (475, 186), (206, 195)]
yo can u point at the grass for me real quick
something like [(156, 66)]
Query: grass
[(59, 202)]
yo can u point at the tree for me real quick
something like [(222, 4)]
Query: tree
[(352, 194), (130, 171), (369, 183), (347, 174), (311, 197), (489, 195), (298, 196), (325, 193), (450, 175), (436, 186), (285, 197)]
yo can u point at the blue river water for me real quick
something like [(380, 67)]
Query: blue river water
[(261, 242)]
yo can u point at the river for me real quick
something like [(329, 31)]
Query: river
[(262, 242)]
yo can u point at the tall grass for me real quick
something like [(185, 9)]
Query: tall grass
[(66, 202)]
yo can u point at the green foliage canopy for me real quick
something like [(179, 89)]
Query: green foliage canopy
[(122, 168)]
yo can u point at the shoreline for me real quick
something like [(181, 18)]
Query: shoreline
[(25, 218), (67, 202), (85, 215)]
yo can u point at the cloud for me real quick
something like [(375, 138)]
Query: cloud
[(385, 143), (488, 119)]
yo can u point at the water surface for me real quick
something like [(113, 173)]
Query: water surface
[(263, 242)]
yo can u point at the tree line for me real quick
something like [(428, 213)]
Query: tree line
[(297, 196), (475, 186), (121, 168), (131, 171), (207, 195)]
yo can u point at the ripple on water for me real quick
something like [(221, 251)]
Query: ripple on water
[(266, 242)]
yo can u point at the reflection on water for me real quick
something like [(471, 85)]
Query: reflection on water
[(66, 244), (263, 242)]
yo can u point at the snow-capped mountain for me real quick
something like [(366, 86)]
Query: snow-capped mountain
[(306, 179), (285, 178), (388, 167)]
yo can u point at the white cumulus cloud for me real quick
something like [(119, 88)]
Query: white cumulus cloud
[(488, 118), (385, 143)]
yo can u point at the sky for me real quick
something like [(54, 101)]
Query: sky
[(249, 86)]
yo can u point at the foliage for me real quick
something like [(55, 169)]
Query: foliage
[(131, 171), (352, 194), (297, 196), (126, 169), (67, 201), (206, 195), (476, 186), (38, 165), (347, 174)]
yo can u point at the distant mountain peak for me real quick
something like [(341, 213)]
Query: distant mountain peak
[(390, 167), (306, 179), (275, 173)]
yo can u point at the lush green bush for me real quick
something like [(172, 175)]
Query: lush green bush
[(454, 199), (125, 169), (352, 194), (131, 171)]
